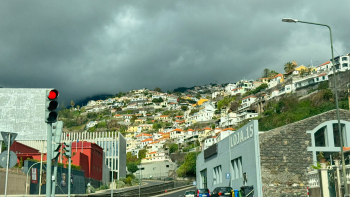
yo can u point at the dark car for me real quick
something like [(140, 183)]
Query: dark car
[(203, 192), (222, 191)]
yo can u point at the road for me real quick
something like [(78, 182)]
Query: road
[(178, 192), (149, 183)]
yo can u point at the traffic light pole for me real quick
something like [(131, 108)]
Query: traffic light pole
[(69, 174), (54, 175), (7, 164), (48, 160)]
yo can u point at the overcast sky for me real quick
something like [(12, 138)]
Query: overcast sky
[(83, 48)]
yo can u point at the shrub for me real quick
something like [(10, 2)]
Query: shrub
[(119, 184)]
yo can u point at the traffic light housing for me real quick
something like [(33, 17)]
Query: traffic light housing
[(57, 131), (51, 105), (68, 150), (55, 151)]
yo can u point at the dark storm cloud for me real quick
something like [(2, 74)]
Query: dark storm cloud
[(90, 47)]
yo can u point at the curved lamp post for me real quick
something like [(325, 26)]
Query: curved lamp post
[(290, 20)]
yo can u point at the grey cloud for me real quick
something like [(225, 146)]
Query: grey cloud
[(88, 47)]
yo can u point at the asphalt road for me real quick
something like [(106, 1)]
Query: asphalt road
[(178, 192), (149, 183)]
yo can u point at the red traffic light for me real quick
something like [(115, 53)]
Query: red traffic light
[(53, 94)]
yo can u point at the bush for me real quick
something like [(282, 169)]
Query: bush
[(119, 184), (131, 176), (135, 182)]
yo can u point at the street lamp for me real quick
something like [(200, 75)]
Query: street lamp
[(290, 20)]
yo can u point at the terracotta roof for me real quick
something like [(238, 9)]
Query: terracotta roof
[(190, 130), (248, 97), (177, 129), (323, 74), (153, 152), (324, 64), (231, 129), (143, 134), (178, 116), (164, 116), (218, 129), (207, 128), (147, 140), (117, 115), (279, 75)]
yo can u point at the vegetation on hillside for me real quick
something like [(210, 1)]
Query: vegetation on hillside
[(188, 168), (256, 90), (225, 102), (289, 109)]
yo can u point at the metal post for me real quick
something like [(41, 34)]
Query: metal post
[(54, 182), (7, 163), (69, 173), (41, 165), (0, 146), (112, 178), (48, 159), (140, 180), (336, 103), (27, 176)]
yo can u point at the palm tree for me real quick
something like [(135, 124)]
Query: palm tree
[(289, 66), (309, 70)]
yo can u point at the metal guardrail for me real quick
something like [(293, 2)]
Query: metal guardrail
[(146, 191)]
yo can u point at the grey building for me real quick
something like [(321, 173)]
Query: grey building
[(286, 153), (159, 169)]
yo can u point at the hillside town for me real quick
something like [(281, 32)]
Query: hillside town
[(198, 117)]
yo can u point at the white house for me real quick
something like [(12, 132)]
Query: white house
[(247, 101)]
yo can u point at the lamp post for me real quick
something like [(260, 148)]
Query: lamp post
[(290, 20)]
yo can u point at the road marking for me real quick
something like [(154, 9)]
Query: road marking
[(186, 188)]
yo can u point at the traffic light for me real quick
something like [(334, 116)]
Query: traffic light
[(55, 151), (68, 149), (51, 106), (57, 131)]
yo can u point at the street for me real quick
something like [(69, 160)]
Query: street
[(178, 192), (149, 183)]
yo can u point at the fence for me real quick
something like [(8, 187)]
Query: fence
[(61, 186)]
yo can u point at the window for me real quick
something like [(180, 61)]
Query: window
[(324, 77), (344, 58), (236, 166), (336, 134), (345, 65), (320, 137), (217, 174)]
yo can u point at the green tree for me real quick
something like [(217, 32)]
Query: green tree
[(184, 107), (266, 73), (133, 118), (142, 153), (72, 104), (157, 89), (132, 167), (289, 66), (303, 72), (173, 148), (272, 73), (198, 96)]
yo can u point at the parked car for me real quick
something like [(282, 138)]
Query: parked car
[(203, 192), (190, 193), (222, 191)]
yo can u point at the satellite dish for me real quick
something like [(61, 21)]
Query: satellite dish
[(3, 159)]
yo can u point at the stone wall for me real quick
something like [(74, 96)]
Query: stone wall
[(16, 181), (342, 78), (284, 155)]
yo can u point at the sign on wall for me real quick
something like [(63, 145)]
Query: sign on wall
[(34, 175), (22, 111)]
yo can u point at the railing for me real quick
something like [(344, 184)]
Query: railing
[(347, 169), (314, 178)]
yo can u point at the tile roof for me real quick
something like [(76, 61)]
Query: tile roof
[(147, 140), (249, 97), (207, 128), (143, 134), (324, 64), (177, 129), (323, 74)]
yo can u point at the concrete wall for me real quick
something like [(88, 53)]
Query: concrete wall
[(285, 156), (122, 156), (16, 181), (155, 169)]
